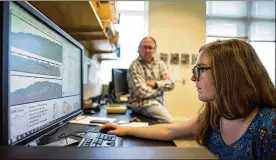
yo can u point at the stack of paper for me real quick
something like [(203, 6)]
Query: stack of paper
[(86, 120), (133, 124)]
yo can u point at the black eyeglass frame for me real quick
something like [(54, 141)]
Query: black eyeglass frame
[(147, 47), (199, 70)]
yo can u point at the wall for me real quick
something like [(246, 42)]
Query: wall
[(179, 27), (92, 84)]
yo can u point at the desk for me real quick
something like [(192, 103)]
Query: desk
[(132, 147), (128, 140), (19, 152)]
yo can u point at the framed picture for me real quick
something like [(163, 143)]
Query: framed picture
[(185, 59), (194, 57), (164, 57), (174, 58)]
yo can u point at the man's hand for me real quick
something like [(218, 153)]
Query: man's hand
[(151, 83)]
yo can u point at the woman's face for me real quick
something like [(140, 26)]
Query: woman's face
[(204, 80)]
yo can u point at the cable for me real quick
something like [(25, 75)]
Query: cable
[(63, 135), (53, 132)]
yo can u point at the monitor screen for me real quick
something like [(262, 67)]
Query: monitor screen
[(45, 70), (119, 82)]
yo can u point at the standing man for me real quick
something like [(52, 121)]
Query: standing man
[(147, 80)]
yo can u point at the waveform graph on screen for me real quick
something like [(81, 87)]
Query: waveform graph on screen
[(23, 63), (35, 49), (34, 37), (66, 108), (30, 89), (35, 60)]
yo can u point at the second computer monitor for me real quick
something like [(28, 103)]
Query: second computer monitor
[(119, 83)]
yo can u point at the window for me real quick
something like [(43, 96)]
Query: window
[(266, 52), (131, 5), (251, 21), (132, 28)]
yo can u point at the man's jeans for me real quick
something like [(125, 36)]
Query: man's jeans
[(158, 112)]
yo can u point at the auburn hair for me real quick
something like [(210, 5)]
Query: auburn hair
[(241, 82)]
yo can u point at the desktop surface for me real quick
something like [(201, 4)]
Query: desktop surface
[(101, 153), (133, 147), (126, 116), (128, 141)]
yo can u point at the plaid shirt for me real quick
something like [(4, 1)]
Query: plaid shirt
[(142, 95)]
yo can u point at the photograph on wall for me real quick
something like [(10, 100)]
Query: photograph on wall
[(194, 56), (185, 58), (174, 58), (164, 57)]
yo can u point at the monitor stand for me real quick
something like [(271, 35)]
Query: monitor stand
[(33, 143)]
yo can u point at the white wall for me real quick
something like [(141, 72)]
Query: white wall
[(92, 84), (179, 27)]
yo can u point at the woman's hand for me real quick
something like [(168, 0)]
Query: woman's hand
[(115, 129)]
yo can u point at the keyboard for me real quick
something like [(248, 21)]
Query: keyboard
[(91, 139)]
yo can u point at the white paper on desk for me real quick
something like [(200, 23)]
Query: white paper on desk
[(135, 124), (86, 120)]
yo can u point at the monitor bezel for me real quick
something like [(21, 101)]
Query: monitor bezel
[(5, 30)]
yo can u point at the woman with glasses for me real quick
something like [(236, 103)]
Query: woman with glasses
[(238, 119)]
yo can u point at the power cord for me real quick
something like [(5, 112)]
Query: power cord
[(63, 135)]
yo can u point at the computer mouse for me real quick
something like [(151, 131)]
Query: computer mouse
[(105, 130)]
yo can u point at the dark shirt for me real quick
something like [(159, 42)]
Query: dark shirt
[(258, 142)]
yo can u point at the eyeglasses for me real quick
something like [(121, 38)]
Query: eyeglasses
[(147, 47), (197, 70)]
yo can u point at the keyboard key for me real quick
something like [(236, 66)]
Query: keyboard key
[(113, 138), (100, 141), (109, 138), (92, 145), (112, 143), (98, 145), (89, 140), (102, 136), (105, 137)]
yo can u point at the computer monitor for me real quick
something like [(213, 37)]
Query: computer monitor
[(41, 74), (119, 84)]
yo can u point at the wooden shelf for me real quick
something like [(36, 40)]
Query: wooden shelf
[(80, 20), (107, 10), (107, 56)]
